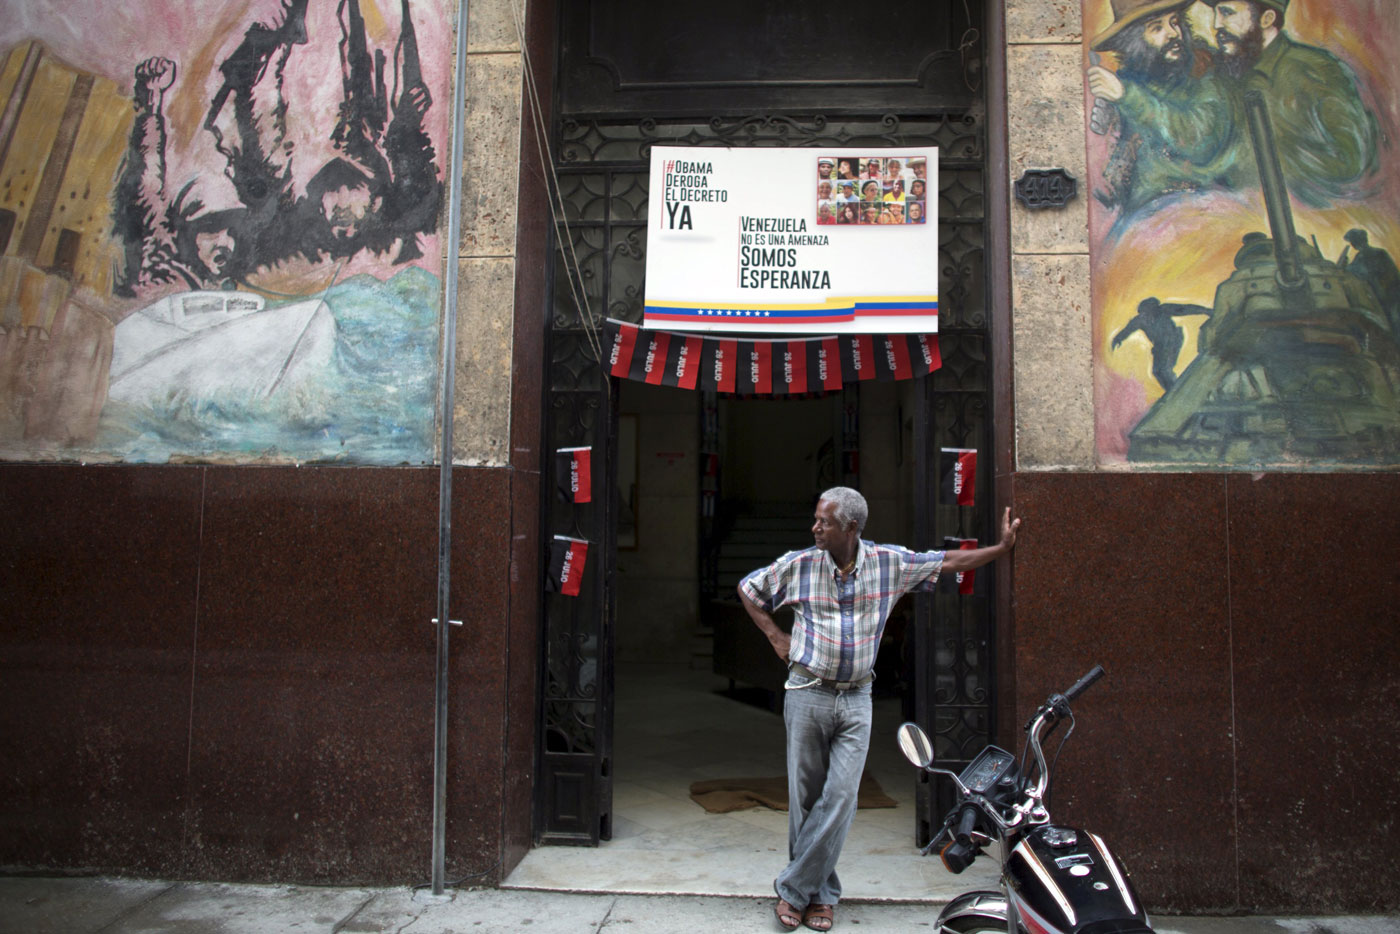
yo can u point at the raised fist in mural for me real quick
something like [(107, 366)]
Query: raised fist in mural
[(416, 100), (154, 77)]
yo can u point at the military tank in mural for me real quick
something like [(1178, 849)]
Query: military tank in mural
[(1297, 363)]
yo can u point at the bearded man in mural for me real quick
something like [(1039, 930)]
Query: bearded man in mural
[(1326, 137), (1173, 115), (383, 189)]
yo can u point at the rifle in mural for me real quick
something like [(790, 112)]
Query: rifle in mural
[(261, 177), (1297, 362)]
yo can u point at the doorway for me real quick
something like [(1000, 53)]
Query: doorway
[(697, 691), (606, 128)]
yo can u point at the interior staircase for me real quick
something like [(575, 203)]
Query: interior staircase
[(757, 534)]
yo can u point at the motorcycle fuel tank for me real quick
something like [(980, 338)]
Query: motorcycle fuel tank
[(1062, 880)]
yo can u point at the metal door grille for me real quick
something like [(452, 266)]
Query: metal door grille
[(603, 170)]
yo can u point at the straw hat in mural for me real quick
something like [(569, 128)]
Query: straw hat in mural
[(1127, 12), (1280, 5)]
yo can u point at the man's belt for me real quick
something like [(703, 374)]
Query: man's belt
[(834, 685)]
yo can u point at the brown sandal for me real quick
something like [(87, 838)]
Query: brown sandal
[(788, 916), (819, 917)]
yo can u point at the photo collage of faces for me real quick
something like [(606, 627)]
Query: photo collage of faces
[(872, 190)]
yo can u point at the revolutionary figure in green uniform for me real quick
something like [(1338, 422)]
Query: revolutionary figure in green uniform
[(1174, 117), (1326, 137), (1373, 266)]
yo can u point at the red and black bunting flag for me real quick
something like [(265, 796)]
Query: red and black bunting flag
[(892, 357), (963, 582), (823, 364), (655, 346), (924, 353), (766, 367), (719, 365), (573, 474), (959, 472), (790, 368), (683, 359), (648, 357), (567, 557), (624, 346), (857, 357), (755, 368)]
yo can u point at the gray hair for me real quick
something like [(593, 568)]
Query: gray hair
[(850, 506)]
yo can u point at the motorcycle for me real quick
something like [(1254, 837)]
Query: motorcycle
[(1054, 879)]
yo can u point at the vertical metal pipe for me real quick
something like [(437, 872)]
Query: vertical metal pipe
[(449, 391)]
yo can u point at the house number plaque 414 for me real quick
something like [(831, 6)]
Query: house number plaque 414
[(1045, 188)]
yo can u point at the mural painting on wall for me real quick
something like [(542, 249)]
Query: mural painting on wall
[(1244, 223), (219, 229)]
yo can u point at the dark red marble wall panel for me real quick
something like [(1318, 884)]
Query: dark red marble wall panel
[(481, 593), (1244, 741), (1315, 567), (227, 673), (312, 739), (98, 575), (522, 666), (1129, 571)]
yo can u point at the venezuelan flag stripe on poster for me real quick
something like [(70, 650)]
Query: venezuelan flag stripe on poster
[(844, 314)]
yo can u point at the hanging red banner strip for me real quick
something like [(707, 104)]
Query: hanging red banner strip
[(567, 557), (792, 369), (896, 347), (573, 473), (767, 367), (959, 483), (964, 583), (655, 365), (623, 345)]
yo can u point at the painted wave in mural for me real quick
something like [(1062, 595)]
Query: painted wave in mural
[(372, 402)]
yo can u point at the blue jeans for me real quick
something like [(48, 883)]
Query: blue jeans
[(828, 735)]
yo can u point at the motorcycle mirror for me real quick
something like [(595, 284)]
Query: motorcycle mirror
[(915, 745)]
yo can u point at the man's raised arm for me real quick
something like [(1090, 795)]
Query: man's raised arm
[(955, 561)]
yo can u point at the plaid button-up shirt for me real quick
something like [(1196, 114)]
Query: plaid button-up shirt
[(837, 625)]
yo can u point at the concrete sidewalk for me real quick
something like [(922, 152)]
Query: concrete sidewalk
[(46, 905)]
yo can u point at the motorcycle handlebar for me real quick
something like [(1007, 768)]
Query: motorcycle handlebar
[(966, 821), (1084, 683)]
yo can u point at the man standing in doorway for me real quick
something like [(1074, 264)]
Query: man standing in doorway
[(841, 591)]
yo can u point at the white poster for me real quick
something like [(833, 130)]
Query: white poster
[(812, 241)]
